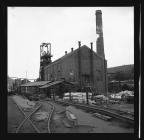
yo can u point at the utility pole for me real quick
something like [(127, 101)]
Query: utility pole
[(87, 96), (26, 81)]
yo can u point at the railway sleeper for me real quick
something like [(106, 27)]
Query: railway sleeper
[(102, 111), (104, 117)]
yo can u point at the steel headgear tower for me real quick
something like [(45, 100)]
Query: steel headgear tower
[(45, 58), (99, 31)]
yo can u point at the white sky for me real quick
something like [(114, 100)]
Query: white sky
[(63, 27)]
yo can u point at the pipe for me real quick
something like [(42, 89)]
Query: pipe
[(79, 44)]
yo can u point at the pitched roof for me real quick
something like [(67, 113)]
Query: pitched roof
[(55, 83), (69, 54), (39, 83)]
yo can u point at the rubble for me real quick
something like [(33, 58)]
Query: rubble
[(121, 94)]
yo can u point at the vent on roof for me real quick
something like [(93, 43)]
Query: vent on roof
[(79, 43), (65, 52), (91, 46)]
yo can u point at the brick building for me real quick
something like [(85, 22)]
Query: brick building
[(82, 66)]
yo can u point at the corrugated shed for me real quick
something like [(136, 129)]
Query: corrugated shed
[(39, 83), (55, 83)]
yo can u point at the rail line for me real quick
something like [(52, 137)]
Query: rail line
[(27, 118), (105, 111), (120, 111), (49, 118)]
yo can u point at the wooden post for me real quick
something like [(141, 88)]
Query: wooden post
[(87, 96), (53, 94)]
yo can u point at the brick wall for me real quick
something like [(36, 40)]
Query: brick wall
[(68, 68)]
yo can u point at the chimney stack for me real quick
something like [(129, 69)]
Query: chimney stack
[(79, 43), (99, 31), (65, 52), (91, 46), (71, 49)]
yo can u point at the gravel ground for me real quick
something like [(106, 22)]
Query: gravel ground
[(60, 123)]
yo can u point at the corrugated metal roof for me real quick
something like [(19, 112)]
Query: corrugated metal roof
[(55, 83), (39, 83)]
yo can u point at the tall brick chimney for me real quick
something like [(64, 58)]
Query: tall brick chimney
[(100, 44), (99, 31)]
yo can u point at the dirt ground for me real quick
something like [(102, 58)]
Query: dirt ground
[(87, 123)]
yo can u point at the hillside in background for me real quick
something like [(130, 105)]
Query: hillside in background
[(120, 73), (123, 68), (120, 78)]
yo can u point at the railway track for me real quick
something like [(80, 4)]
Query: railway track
[(28, 118), (120, 111), (50, 117), (120, 115)]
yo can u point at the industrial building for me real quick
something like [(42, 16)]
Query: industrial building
[(46, 88), (83, 66)]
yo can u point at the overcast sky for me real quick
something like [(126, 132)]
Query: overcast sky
[(63, 27)]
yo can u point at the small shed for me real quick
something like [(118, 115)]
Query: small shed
[(57, 87), (32, 87)]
